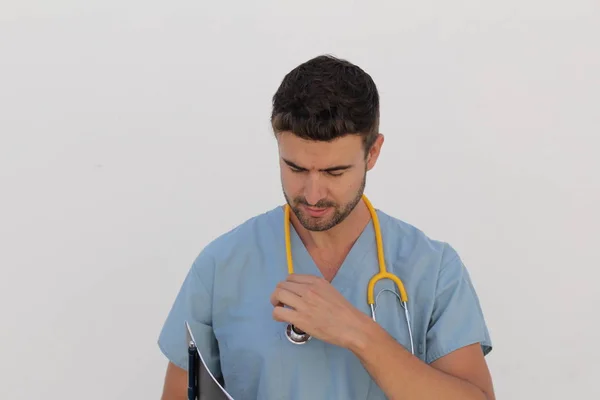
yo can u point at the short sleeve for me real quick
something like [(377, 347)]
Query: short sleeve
[(193, 304), (457, 319)]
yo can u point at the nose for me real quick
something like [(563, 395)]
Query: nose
[(314, 190)]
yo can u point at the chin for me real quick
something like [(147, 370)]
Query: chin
[(317, 224)]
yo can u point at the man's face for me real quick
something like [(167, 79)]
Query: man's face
[(323, 181)]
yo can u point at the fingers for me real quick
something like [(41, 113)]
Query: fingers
[(293, 296), (283, 296), (303, 279), (282, 314), (294, 287), (304, 288)]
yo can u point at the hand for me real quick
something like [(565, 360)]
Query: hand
[(318, 309)]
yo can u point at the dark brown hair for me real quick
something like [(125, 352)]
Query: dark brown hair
[(325, 98)]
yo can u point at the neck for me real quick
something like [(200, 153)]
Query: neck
[(341, 237)]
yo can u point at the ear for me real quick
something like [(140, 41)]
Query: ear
[(374, 152)]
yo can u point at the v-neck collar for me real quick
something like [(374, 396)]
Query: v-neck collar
[(354, 261)]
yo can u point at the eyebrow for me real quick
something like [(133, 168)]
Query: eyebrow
[(330, 169)]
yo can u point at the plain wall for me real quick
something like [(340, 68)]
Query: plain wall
[(134, 132)]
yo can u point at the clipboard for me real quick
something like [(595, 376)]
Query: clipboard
[(202, 384)]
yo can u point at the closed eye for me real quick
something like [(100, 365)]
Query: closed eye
[(330, 173), (334, 173)]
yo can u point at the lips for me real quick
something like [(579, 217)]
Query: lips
[(316, 212)]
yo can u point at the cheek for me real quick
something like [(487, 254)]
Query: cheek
[(291, 182), (345, 188)]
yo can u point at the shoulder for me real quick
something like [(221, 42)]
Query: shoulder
[(247, 233), (241, 239), (405, 244), (450, 312)]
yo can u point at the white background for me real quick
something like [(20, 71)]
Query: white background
[(133, 132)]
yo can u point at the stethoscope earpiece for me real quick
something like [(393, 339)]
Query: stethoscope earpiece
[(295, 335)]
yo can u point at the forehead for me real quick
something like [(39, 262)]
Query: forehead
[(317, 154)]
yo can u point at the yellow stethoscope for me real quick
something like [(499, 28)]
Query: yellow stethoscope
[(295, 335)]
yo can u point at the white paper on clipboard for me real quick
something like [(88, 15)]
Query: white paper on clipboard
[(210, 388)]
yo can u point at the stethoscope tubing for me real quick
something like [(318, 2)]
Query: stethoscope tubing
[(298, 337)]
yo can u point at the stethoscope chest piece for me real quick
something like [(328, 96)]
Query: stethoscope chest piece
[(295, 335)]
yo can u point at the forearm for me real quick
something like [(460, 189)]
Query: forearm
[(402, 376)]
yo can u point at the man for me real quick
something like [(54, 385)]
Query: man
[(239, 298)]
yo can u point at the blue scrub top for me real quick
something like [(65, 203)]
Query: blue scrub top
[(225, 299)]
